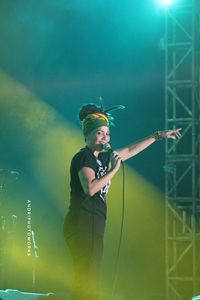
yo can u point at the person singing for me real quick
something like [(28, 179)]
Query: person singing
[(91, 171)]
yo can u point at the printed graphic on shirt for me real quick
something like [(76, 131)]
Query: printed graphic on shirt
[(100, 173)]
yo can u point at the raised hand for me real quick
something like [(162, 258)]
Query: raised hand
[(172, 134), (168, 134)]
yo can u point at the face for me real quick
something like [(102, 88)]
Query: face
[(98, 137)]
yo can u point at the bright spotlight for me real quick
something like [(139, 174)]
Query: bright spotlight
[(166, 3)]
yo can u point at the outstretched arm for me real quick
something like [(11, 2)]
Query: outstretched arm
[(135, 148)]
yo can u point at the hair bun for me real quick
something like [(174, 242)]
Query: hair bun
[(88, 109)]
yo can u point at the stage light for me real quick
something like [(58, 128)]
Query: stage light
[(166, 3)]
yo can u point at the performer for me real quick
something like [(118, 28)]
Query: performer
[(91, 170)]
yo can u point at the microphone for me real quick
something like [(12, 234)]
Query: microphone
[(14, 172), (7, 172), (107, 147)]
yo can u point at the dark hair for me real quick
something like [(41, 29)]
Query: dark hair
[(89, 109)]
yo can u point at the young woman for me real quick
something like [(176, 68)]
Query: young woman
[(91, 170)]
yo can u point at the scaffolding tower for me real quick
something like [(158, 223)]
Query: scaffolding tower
[(182, 166)]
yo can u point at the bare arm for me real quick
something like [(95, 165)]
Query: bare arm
[(135, 148), (92, 185)]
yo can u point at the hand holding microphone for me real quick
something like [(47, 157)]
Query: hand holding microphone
[(115, 159)]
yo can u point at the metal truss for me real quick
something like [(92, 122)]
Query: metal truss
[(182, 167)]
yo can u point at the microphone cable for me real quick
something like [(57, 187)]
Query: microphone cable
[(120, 237)]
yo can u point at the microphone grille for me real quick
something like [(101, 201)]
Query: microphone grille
[(106, 147)]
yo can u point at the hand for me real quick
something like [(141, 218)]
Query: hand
[(115, 161), (171, 134)]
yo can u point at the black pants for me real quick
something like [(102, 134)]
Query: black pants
[(86, 250)]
